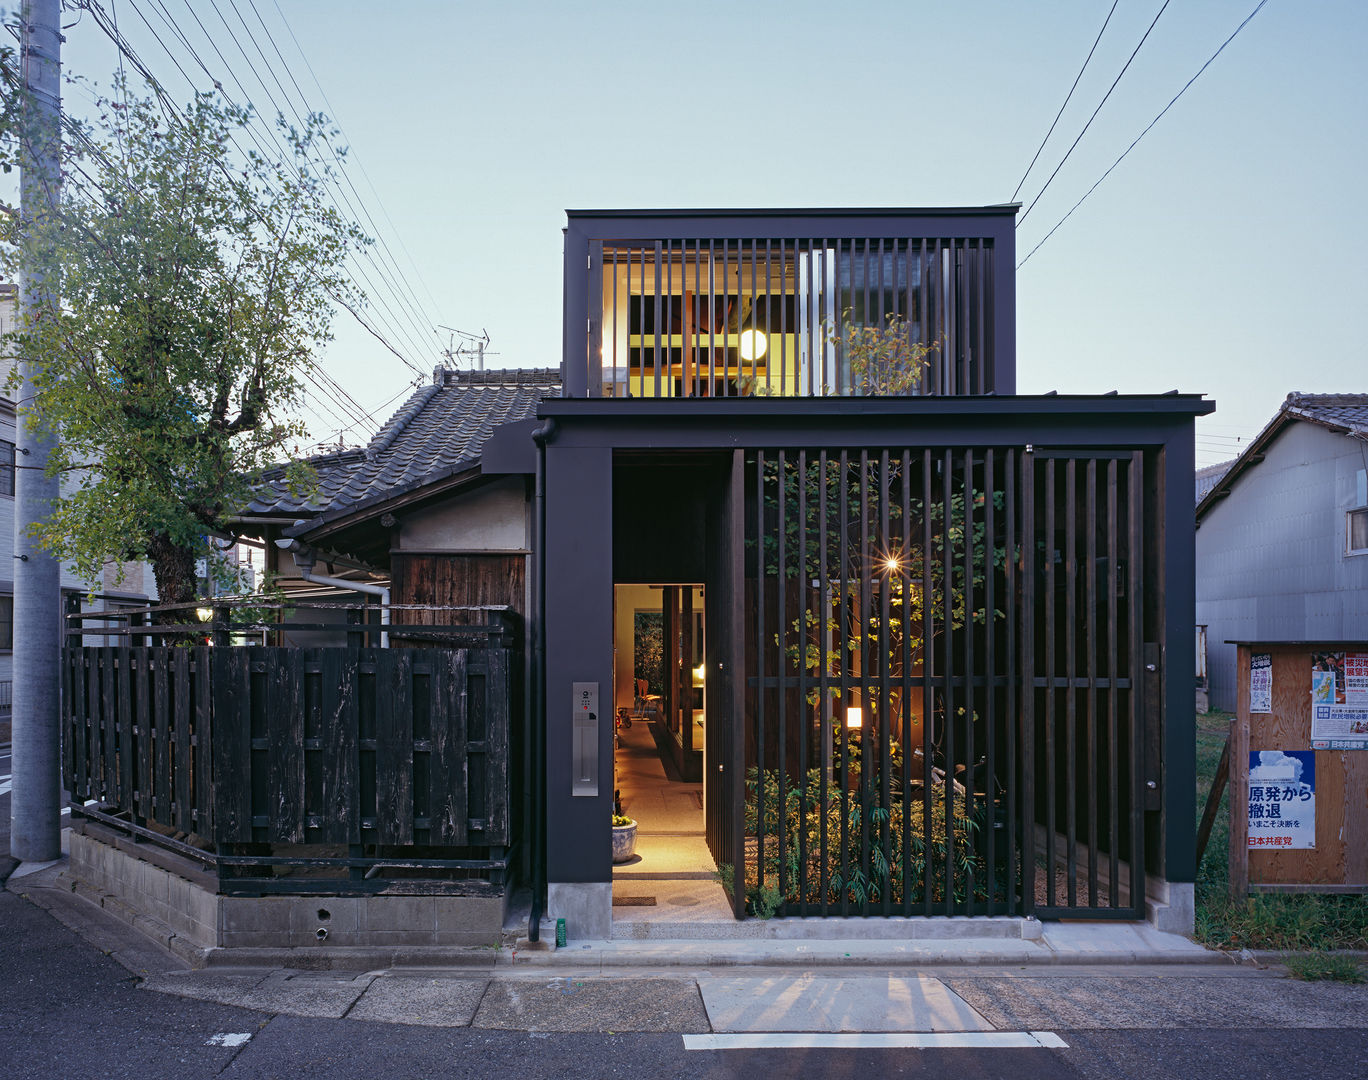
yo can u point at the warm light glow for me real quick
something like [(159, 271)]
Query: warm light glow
[(753, 344), (204, 613), (698, 673), (854, 717), (891, 564)]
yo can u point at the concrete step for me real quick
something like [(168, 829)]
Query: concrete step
[(894, 928)]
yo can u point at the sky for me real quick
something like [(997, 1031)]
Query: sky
[(1224, 256)]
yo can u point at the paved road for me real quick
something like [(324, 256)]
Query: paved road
[(68, 1009)]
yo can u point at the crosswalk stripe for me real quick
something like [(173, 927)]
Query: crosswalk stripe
[(877, 1040)]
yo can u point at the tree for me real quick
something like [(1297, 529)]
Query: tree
[(197, 280)]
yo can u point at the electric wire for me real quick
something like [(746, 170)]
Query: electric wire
[(1093, 117), (289, 68), (1142, 134), (415, 322), (351, 410), (394, 326), (1067, 98), (173, 115), (415, 302)]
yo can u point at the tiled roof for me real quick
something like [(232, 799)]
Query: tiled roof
[(1208, 477), (1348, 411), (440, 430)]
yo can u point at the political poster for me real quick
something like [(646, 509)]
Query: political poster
[(1261, 683), (1339, 701), (1282, 800)]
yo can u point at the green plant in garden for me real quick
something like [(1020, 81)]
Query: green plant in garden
[(849, 827), (196, 282)]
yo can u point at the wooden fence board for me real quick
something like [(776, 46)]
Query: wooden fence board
[(123, 659), (142, 720), (167, 734), (447, 764), (339, 806), (161, 771), (203, 774), (285, 745), (231, 745), (80, 783), (497, 709), (394, 746), (180, 738)]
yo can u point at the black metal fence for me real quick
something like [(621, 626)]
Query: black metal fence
[(332, 762), (943, 701)]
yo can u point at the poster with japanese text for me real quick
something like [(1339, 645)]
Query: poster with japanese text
[(1282, 800), (1339, 701), (1261, 683)]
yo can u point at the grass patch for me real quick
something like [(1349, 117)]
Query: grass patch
[(1282, 921), (1334, 967)]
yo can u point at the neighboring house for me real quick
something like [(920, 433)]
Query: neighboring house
[(957, 606), (137, 584), (1282, 539)]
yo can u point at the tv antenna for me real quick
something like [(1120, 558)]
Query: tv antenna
[(473, 346)]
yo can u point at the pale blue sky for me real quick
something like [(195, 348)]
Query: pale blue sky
[(1225, 256)]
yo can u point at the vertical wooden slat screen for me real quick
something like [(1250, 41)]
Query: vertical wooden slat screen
[(666, 316), (942, 711)]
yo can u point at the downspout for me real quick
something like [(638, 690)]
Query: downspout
[(538, 778), (304, 562), (381, 591)]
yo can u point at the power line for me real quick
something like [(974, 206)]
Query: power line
[(394, 293), (174, 115), (342, 165), (394, 327), (359, 163), (350, 408), (1092, 117), (1142, 134), (1067, 98)]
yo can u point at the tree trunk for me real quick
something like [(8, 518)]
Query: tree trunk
[(174, 567)]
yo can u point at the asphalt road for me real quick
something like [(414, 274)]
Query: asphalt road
[(69, 1010)]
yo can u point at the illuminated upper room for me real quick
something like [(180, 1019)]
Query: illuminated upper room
[(731, 303)]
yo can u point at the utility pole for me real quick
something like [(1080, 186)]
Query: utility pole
[(35, 816)]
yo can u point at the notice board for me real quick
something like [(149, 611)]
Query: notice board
[(1302, 824)]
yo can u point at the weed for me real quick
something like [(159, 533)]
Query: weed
[(1334, 967)]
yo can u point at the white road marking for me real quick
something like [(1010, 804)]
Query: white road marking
[(5, 786), (878, 1040), (229, 1038)]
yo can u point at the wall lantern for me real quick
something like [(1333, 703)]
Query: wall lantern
[(854, 717)]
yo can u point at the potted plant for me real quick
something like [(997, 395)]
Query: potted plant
[(624, 837)]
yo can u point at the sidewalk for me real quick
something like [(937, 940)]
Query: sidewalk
[(1070, 978)]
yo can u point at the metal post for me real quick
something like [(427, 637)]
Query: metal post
[(35, 819)]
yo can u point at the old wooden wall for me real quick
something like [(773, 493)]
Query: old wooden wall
[(457, 581)]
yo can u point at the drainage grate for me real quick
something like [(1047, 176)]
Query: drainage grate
[(634, 901)]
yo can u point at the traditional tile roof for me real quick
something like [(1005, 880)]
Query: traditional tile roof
[(1344, 413), (1348, 412), (439, 431)]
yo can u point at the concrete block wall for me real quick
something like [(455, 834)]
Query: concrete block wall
[(193, 911)]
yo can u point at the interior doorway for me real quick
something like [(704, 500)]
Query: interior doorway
[(659, 773)]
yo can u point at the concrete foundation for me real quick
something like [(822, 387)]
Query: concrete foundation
[(171, 897), (586, 907)]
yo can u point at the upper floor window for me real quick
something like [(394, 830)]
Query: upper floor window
[(780, 303), (1356, 520), (6, 468)]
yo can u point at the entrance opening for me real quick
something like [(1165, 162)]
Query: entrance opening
[(659, 704)]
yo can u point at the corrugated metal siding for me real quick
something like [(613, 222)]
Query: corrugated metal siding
[(1271, 560)]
